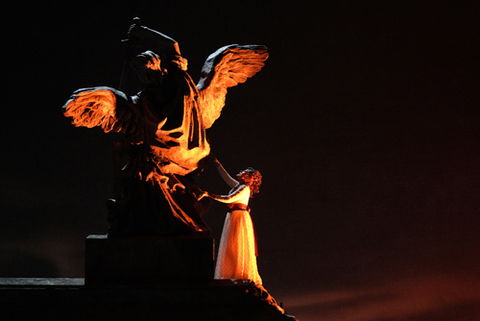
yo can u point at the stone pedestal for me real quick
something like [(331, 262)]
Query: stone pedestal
[(140, 278), (148, 259), (71, 299)]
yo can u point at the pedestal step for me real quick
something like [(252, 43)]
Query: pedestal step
[(148, 259), (70, 299)]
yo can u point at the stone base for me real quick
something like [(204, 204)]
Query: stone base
[(148, 259), (70, 299)]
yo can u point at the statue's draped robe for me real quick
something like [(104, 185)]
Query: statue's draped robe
[(158, 195), (166, 139), (164, 126)]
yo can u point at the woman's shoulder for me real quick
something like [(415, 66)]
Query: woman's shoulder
[(240, 188)]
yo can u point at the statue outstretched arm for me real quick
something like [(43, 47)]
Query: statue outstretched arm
[(167, 44)]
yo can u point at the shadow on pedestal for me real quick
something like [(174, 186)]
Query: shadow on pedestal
[(155, 259)]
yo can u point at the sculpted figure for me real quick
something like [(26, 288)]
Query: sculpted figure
[(164, 126)]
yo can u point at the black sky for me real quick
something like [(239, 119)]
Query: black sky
[(363, 122)]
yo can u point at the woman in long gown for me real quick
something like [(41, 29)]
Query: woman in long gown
[(237, 251)]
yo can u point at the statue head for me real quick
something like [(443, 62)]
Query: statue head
[(252, 178), (149, 68)]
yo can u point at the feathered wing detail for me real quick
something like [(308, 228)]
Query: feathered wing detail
[(227, 67), (104, 107)]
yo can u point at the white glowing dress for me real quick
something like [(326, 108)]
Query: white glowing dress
[(236, 254)]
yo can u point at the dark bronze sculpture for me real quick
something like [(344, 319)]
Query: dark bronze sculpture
[(164, 127)]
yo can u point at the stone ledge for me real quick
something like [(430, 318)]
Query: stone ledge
[(68, 299), (148, 259)]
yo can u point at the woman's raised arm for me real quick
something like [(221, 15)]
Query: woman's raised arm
[(224, 174)]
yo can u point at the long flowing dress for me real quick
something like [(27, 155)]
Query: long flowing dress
[(237, 251)]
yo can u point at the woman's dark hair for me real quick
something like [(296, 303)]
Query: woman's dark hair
[(253, 179)]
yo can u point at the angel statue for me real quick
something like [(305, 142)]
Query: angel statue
[(164, 129)]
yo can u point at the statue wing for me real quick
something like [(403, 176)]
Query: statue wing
[(105, 107), (225, 68)]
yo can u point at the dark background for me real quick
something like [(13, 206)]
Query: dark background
[(363, 122)]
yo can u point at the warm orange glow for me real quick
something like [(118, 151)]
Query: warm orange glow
[(176, 150), (92, 108), (402, 298), (169, 128), (154, 63), (237, 249), (236, 66)]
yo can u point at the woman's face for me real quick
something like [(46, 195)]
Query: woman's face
[(242, 177)]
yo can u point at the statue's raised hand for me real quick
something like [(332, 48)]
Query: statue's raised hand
[(136, 31)]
